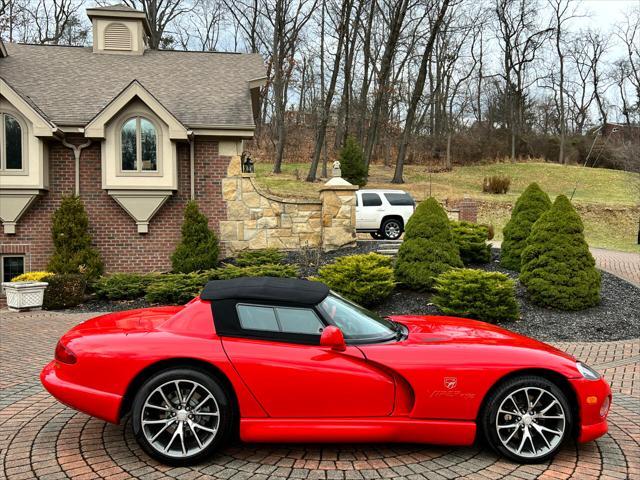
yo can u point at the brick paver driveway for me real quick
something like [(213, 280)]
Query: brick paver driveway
[(623, 264), (40, 438)]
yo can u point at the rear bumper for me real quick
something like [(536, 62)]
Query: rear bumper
[(591, 394), (98, 404)]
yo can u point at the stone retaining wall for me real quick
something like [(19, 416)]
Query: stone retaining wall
[(257, 219)]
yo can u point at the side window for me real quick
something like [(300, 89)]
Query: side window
[(371, 200), (257, 318), (399, 199), (299, 320), (279, 320)]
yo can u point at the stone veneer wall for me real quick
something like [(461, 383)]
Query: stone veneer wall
[(256, 219)]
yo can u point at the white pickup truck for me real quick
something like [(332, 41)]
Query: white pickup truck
[(383, 213)]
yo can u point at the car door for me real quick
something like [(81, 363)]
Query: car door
[(369, 211), (292, 376)]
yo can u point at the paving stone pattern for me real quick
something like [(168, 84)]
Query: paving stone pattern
[(40, 438)]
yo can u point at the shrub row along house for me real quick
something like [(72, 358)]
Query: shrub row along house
[(136, 133)]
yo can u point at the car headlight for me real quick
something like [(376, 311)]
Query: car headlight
[(587, 372)]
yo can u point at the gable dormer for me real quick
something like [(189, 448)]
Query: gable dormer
[(119, 29)]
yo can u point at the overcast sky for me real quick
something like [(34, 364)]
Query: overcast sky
[(604, 14)]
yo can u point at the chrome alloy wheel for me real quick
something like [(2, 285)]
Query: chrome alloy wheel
[(392, 230), (530, 422), (180, 418)]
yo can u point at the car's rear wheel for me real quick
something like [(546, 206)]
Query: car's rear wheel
[(391, 229), (527, 419), (181, 416)]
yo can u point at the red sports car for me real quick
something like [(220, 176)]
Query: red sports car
[(285, 360)]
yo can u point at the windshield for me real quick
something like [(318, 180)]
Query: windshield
[(357, 323)]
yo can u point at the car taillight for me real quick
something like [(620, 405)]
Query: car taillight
[(604, 409), (64, 354)]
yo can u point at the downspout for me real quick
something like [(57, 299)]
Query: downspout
[(192, 165), (77, 150)]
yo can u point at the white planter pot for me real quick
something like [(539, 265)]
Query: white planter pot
[(24, 295)]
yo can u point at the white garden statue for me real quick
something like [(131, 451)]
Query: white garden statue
[(337, 172)]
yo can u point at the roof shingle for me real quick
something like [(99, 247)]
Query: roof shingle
[(70, 85)]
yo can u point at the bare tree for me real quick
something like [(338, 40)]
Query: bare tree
[(343, 22), (561, 14), (287, 18), (249, 19), (418, 90), (580, 91), (598, 46), (520, 39), (202, 29), (629, 34), (52, 18), (160, 14), (397, 14)]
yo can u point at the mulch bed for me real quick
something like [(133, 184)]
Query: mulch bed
[(616, 318)]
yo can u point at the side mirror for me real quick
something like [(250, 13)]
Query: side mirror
[(332, 337)]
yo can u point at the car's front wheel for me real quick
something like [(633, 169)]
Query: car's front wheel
[(527, 419), (181, 416), (391, 229)]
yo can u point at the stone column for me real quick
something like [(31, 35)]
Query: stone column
[(338, 213)]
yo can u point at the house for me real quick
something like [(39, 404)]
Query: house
[(136, 133)]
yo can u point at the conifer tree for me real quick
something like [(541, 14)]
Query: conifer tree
[(73, 251), (352, 162), (532, 203), (428, 248), (198, 248), (558, 269)]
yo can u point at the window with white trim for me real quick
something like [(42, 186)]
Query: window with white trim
[(11, 142), (138, 145)]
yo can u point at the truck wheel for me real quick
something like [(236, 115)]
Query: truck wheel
[(392, 229)]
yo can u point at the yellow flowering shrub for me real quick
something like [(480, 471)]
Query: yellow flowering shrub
[(32, 277)]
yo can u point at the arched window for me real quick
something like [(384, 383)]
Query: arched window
[(11, 138), (139, 143)]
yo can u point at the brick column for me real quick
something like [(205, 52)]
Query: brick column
[(469, 210)]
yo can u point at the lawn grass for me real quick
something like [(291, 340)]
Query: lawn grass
[(607, 200)]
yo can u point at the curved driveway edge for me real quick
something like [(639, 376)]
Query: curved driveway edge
[(625, 265)]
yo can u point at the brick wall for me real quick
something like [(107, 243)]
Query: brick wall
[(114, 232)]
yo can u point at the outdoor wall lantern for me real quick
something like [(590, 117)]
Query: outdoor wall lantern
[(247, 163)]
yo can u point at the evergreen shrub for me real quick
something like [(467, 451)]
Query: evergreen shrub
[(558, 269)]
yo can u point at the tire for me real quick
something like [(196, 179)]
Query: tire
[(377, 235), (391, 229), (168, 428), (534, 438)]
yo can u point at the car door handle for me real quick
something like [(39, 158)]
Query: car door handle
[(381, 209)]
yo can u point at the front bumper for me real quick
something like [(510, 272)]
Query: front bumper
[(93, 402), (591, 394)]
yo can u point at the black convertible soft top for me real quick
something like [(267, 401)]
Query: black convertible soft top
[(293, 290)]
